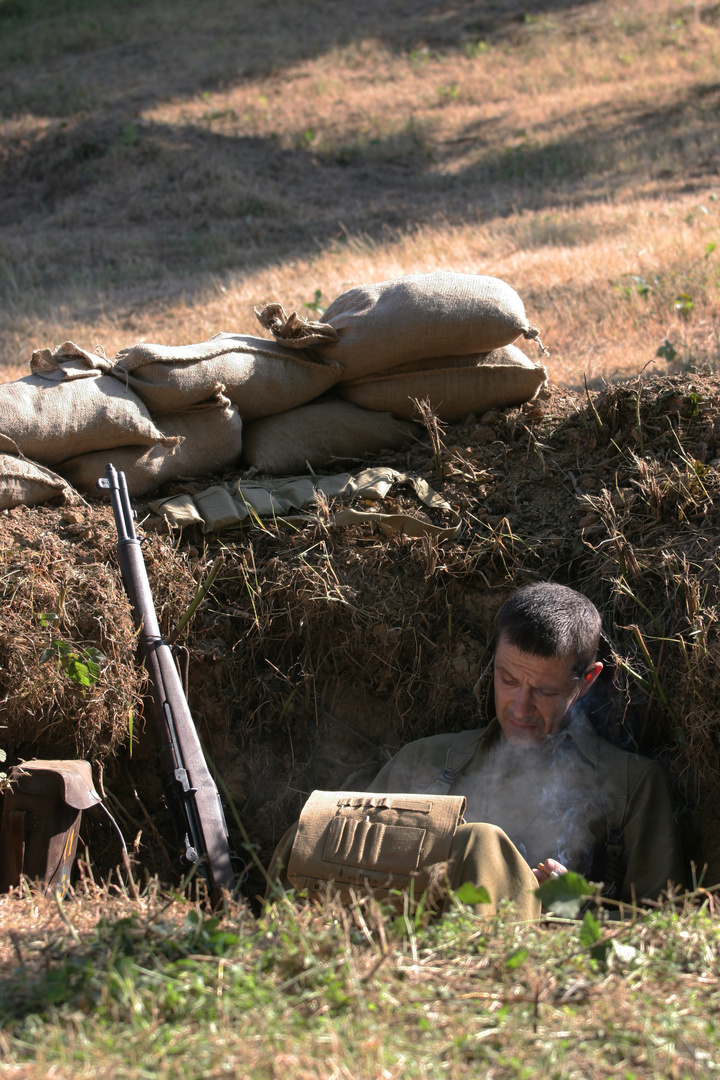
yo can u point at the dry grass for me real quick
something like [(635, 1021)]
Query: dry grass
[(570, 149), (50, 565), (106, 986)]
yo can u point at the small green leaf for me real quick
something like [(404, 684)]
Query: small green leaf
[(570, 886), (590, 930), (93, 671), (684, 304), (46, 655), (47, 617), (709, 248), (516, 958), (94, 654), (129, 134), (667, 351), (563, 895), (473, 894), (79, 672), (315, 304), (600, 951)]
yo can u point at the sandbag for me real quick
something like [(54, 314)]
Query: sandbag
[(69, 361), (455, 387), (319, 433), (207, 439), (371, 328), (25, 483), (68, 407), (259, 376)]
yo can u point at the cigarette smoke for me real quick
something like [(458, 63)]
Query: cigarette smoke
[(543, 796)]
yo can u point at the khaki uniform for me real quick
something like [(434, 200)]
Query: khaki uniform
[(481, 854), (554, 799)]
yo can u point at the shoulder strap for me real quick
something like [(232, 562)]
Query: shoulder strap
[(460, 753), (610, 866)]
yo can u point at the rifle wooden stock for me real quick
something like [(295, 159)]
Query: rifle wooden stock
[(190, 791)]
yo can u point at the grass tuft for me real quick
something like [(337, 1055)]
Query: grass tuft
[(117, 983)]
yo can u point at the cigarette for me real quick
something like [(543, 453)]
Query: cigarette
[(545, 870)]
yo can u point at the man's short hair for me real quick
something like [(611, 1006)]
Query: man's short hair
[(551, 620)]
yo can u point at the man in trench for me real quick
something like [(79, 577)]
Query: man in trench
[(545, 793)]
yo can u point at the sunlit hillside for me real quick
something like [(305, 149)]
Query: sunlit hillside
[(166, 166)]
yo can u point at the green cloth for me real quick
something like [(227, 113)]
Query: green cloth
[(555, 799)]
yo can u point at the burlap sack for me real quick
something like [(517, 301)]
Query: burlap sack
[(381, 841), (24, 483), (207, 440), (320, 433), (376, 327), (259, 376), (67, 407), (69, 361), (455, 387)]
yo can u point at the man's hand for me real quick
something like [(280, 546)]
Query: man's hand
[(549, 868)]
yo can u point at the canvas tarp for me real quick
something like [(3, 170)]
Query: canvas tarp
[(249, 501)]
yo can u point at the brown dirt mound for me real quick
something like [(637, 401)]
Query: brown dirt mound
[(321, 650)]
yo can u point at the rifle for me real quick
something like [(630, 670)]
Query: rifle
[(190, 790)]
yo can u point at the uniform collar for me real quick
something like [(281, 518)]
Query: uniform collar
[(579, 732), (583, 736)]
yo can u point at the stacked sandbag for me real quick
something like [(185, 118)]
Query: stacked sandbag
[(204, 439), (23, 482), (454, 386), (372, 328), (319, 434), (261, 377), (70, 406)]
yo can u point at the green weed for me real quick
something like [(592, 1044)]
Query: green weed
[(82, 665), (475, 49), (315, 304), (448, 93)]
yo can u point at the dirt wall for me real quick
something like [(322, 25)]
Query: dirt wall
[(320, 650)]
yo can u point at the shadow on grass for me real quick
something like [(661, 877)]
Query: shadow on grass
[(85, 53), (136, 202), (105, 203)]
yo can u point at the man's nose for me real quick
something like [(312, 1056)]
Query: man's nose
[(523, 702)]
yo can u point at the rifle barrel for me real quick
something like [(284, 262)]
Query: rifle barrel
[(190, 790)]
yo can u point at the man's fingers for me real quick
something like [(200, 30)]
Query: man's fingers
[(549, 868)]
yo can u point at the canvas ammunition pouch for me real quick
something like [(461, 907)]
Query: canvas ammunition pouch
[(378, 841), (41, 812)]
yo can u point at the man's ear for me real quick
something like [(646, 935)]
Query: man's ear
[(589, 677)]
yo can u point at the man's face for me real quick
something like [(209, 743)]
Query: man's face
[(534, 693)]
